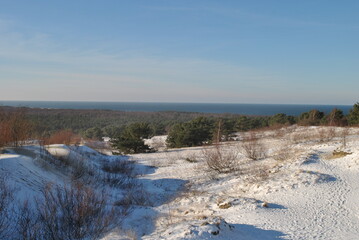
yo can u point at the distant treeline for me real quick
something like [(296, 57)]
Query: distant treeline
[(98, 123), (102, 122)]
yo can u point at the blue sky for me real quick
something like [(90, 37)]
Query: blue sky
[(269, 51)]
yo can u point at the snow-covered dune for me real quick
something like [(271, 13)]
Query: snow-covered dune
[(298, 191), (26, 175), (304, 187)]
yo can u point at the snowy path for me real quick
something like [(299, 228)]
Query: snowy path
[(323, 211)]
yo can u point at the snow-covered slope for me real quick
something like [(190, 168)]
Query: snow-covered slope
[(305, 193), (299, 190)]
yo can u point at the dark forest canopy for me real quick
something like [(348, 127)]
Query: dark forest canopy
[(48, 121), (95, 124)]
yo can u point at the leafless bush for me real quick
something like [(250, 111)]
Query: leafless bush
[(344, 135), (80, 169), (119, 166), (74, 212), (77, 166), (118, 180), (172, 157), (220, 159), (252, 148), (6, 218), (326, 134), (297, 137), (283, 153), (279, 133), (192, 157), (258, 173), (303, 136), (28, 226), (138, 196)]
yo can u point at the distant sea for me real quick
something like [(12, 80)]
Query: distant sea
[(246, 109)]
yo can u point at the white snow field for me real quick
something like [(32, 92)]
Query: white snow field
[(298, 190)]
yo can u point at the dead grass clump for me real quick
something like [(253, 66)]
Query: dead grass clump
[(191, 160), (258, 174), (284, 153), (339, 153)]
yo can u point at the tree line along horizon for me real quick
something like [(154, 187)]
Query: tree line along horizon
[(128, 129)]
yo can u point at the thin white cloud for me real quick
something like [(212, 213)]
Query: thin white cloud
[(36, 67)]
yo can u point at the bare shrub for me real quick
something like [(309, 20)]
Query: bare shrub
[(6, 198), (326, 134), (175, 156), (297, 137), (117, 180), (304, 136), (252, 148), (28, 226), (279, 133), (283, 131), (80, 169), (76, 165), (344, 135), (119, 166), (220, 159), (137, 197), (283, 153), (74, 212), (192, 157), (258, 174)]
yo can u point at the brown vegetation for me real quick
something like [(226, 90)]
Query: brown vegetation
[(14, 128), (63, 137)]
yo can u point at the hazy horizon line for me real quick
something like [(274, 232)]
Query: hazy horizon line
[(170, 102)]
